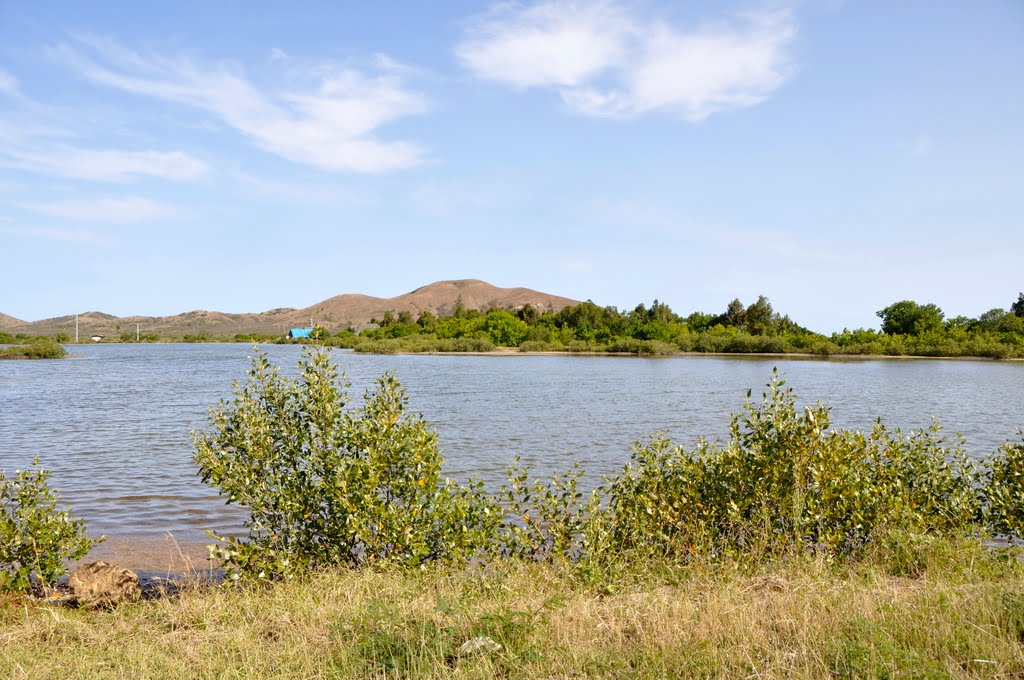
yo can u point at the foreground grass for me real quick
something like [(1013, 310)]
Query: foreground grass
[(960, 614)]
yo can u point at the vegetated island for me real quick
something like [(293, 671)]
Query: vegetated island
[(473, 316), (32, 347)]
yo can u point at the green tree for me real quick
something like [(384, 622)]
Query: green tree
[(505, 329), (528, 314), (1018, 307), (758, 316), (735, 314), (426, 319), (698, 322), (906, 317)]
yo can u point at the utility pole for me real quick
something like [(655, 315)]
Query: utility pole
[(136, 332), (76, 329)]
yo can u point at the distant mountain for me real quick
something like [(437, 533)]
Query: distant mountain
[(334, 313), (9, 323), (438, 298)]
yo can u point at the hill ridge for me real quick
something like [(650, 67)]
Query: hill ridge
[(334, 313)]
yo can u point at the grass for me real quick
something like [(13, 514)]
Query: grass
[(961, 615)]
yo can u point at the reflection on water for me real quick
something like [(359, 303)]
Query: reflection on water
[(113, 424)]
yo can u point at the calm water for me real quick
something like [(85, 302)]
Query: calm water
[(113, 424)]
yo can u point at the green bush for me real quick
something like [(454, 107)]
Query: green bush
[(36, 348), (784, 481), (1004, 490), (36, 539), (545, 520), (328, 486), (634, 346), (538, 346)]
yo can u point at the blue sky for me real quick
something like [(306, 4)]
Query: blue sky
[(834, 156)]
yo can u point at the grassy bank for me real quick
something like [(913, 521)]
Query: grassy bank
[(959, 614)]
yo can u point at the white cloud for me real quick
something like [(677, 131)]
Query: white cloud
[(123, 210), (605, 60), (329, 124), (110, 165), (551, 43)]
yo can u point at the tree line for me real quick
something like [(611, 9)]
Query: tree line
[(907, 328)]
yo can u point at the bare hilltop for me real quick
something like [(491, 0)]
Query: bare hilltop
[(338, 312)]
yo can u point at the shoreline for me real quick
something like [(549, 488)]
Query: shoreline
[(513, 351), (752, 355)]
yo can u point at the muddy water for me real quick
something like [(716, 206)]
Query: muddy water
[(113, 423)]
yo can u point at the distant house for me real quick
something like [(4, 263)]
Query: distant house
[(97, 338), (300, 332)]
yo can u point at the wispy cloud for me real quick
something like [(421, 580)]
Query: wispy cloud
[(111, 165), (41, 139), (329, 119), (121, 210), (61, 234), (302, 192), (605, 59), (8, 83)]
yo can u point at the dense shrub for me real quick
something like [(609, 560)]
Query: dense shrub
[(36, 538), (546, 520), (785, 481), (36, 348), (329, 486), (1004, 490), (634, 346)]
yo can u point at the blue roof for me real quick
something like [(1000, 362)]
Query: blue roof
[(300, 332)]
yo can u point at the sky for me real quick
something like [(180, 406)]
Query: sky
[(835, 156)]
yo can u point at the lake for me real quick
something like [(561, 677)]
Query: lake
[(113, 422)]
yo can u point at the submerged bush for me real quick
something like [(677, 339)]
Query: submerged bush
[(36, 539), (325, 486)]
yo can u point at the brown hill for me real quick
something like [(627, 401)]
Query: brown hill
[(334, 313), (438, 298), (9, 323)]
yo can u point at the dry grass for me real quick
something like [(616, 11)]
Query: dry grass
[(803, 619)]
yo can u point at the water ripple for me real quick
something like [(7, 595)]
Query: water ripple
[(114, 426)]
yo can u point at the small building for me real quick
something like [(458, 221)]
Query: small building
[(300, 332), (97, 338)]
